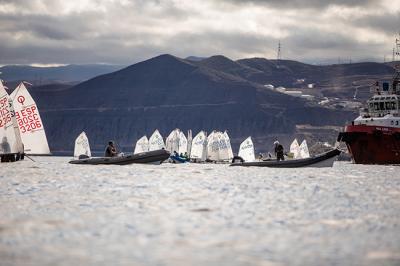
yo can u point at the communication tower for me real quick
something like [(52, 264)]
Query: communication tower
[(397, 53), (279, 55)]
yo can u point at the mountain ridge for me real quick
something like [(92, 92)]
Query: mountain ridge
[(166, 92)]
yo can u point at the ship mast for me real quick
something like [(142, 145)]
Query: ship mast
[(396, 81), (396, 49)]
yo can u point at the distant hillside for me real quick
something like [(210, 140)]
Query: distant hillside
[(287, 72), (226, 65), (61, 74), (195, 58), (166, 92)]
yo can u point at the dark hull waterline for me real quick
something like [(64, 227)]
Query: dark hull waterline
[(11, 157), (372, 144), (151, 157), (322, 160)]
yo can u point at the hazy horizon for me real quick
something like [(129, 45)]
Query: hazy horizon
[(331, 62)]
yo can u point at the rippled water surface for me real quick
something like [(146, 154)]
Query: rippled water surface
[(53, 213)]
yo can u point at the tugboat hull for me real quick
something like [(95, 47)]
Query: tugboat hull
[(372, 144)]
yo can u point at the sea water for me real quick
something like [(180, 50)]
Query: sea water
[(54, 213)]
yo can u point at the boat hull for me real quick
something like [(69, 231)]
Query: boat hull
[(322, 160), (151, 157), (372, 144), (178, 159), (11, 157)]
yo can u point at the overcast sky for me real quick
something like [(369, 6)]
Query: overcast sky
[(128, 31)]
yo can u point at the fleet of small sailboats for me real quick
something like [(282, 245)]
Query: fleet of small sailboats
[(22, 131), (215, 148)]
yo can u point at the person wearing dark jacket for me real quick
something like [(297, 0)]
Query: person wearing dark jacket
[(110, 151), (4, 150), (279, 151), (5, 146)]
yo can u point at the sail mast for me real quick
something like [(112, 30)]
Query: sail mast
[(20, 146)]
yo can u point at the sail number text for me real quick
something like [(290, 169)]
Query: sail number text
[(28, 119), (5, 114)]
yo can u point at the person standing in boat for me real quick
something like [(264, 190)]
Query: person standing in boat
[(279, 151), (5, 149), (5, 146), (110, 151)]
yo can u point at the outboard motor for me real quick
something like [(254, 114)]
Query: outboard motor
[(237, 159)]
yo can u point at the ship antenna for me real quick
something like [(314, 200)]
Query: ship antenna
[(279, 56), (396, 80), (397, 45)]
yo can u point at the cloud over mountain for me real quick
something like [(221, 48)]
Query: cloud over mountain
[(126, 31)]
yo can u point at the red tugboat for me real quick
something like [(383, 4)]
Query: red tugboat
[(374, 136)]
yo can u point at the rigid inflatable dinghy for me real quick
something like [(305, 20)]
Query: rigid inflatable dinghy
[(178, 159), (150, 157), (321, 160)]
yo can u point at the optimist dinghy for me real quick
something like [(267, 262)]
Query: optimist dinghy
[(11, 148), (321, 160), (30, 124)]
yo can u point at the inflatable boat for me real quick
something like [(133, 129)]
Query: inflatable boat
[(150, 157), (321, 160), (178, 159)]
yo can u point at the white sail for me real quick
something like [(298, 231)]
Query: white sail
[(246, 150), (172, 141), (189, 142), (183, 143), (213, 146), (218, 147), (295, 149), (199, 147), (156, 141), (304, 153), (142, 145), (30, 124), (82, 146), (10, 139), (223, 147), (228, 145)]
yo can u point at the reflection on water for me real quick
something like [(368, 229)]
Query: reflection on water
[(53, 213)]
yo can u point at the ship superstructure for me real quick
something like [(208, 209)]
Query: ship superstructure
[(374, 136)]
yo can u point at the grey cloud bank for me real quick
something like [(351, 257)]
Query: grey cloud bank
[(124, 32)]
